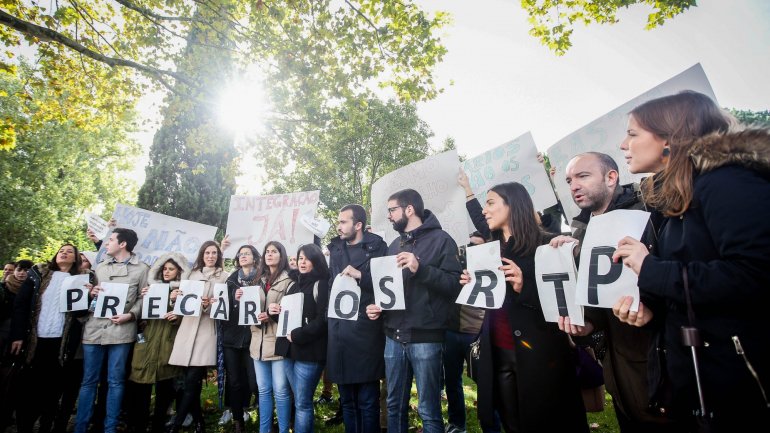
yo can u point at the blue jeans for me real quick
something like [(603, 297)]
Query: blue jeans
[(423, 362), (271, 379), (93, 358), (361, 407), (303, 378), (455, 346)]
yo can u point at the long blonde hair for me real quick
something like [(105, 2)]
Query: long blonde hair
[(680, 120)]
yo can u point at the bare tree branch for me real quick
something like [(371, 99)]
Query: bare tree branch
[(148, 13), (371, 24)]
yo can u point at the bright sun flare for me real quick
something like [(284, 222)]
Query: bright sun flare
[(243, 105)]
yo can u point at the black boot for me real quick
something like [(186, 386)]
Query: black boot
[(200, 426), (239, 426)]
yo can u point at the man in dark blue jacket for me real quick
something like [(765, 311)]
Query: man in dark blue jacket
[(414, 337), (354, 359)]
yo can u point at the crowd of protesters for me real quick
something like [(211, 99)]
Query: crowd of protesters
[(692, 358)]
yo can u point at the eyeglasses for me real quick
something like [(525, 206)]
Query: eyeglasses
[(239, 255), (393, 209)]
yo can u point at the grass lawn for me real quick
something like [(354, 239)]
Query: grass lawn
[(605, 421)]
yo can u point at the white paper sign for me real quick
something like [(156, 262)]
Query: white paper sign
[(600, 282), (250, 305), (256, 220), (160, 234), (155, 302), (344, 299), (388, 283), (111, 300), (435, 178), (188, 301), (318, 226), (556, 283), (514, 161), (291, 314), (607, 132), (220, 309), (97, 225), (73, 295), (487, 286)]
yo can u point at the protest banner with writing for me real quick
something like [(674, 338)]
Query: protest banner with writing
[(607, 132), (600, 282), (487, 286), (556, 283), (155, 302), (97, 225), (388, 283), (250, 305), (317, 225), (344, 298), (74, 294), (514, 161), (435, 178), (220, 309), (188, 302), (291, 314), (160, 234), (257, 220), (111, 301)]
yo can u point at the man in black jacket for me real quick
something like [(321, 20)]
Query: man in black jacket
[(415, 336), (354, 359)]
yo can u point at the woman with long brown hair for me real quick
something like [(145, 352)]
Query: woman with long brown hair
[(711, 261), (528, 367)]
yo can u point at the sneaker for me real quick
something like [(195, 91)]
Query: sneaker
[(451, 428), (227, 416), (324, 400), (187, 421), (246, 416)]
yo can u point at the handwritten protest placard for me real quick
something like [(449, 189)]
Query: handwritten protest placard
[(344, 298), (600, 282), (556, 283), (514, 161), (97, 225), (487, 286), (607, 132), (256, 220), (160, 234), (155, 302), (435, 178), (74, 294), (388, 283)]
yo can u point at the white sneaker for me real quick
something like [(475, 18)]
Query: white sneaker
[(187, 421), (227, 416), (246, 416)]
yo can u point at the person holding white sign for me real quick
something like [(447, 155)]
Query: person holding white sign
[(516, 341), (415, 336), (593, 180), (269, 366), (46, 334), (111, 338), (236, 339), (711, 261), (304, 348), (354, 356), (195, 346), (149, 364)]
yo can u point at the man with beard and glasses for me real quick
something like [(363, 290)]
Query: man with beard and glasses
[(354, 359), (414, 337), (593, 182)]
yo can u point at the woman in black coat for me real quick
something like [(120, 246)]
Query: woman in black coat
[(715, 191), (527, 367), (305, 347)]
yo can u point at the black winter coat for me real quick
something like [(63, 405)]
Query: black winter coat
[(722, 242), (308, 343), (431, 291), (356, 347)]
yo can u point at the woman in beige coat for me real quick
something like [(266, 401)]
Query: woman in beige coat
[(270, 368), (195, 346)]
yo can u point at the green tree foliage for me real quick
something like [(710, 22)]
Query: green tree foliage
[(553, 20), (192, 167), (362, 142), (756, 119), (57, 167)]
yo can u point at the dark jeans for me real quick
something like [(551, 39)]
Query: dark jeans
[(140, 407), (237, 363), (455, 346), (42, 387), (73, 376), (191, 398), (361, 407)]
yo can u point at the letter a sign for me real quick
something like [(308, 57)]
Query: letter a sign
[(487, 286)]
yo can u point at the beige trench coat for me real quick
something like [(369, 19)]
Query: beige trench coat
[(263, 337)]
